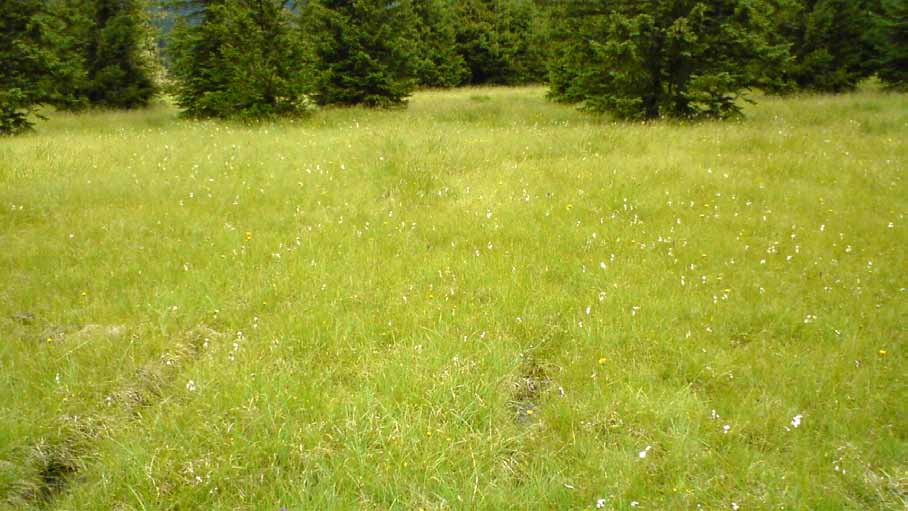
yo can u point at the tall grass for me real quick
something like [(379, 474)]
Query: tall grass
[(485, 301)]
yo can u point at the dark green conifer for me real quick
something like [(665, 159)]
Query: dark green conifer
[(117, 55), (828, 43), (239, 59), (38, 61), (365, 51), (670, 58), (892, 44), (502, 41), (437, 63)]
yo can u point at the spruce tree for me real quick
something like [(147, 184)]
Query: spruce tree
[(117, 57), (478, 42), (37, 61), (522, 28), (365, 51), (437, 63), (501, 41), (239, 59), (829, 44), (671, 58), (571, 28), (892, 44)]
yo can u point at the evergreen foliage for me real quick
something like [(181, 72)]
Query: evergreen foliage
[(364, 51), (116, 54), (892, 44), (437, 63), (828, 43), (239, 59), (639, 59), (38, 61), (673, 58), (502, 41), (571, 26)]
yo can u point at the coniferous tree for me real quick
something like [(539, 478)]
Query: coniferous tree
[(892, 44), (828, 43), (571, 26), (37, 61), (365, 51), (437, 63), (671, 58), (521, 24), (477, 42), (116, 54), (501, 41), (239, 59)]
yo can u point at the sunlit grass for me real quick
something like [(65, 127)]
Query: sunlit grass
[(484, 301)]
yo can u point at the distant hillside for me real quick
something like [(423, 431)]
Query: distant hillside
[(163, 18)]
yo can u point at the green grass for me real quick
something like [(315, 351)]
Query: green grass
[(485, 301)]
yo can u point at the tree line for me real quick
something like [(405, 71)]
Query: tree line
[(636, 59)]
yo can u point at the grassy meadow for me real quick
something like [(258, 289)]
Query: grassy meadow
[(486, 301)]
